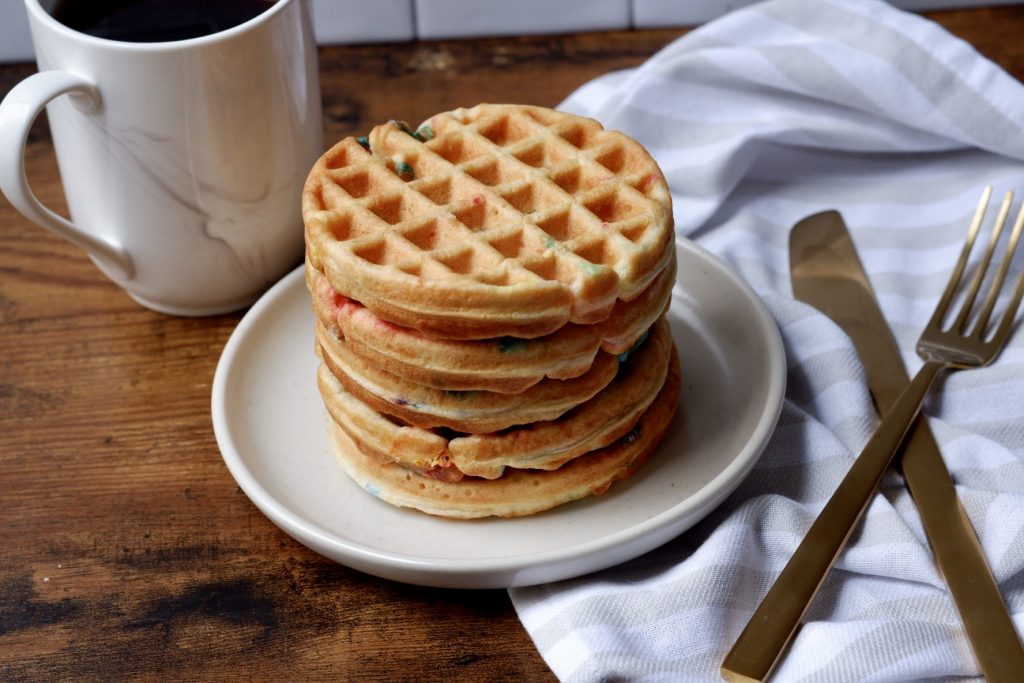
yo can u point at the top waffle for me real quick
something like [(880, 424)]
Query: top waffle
[(500, 220)]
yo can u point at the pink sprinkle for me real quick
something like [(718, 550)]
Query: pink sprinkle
[(385, 326), (478, 200), (345, 305), (648, 182), (339, 302)]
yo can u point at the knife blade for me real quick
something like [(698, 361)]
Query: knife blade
[(827, 273)]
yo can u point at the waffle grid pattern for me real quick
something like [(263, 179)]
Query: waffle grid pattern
[(502, 197)]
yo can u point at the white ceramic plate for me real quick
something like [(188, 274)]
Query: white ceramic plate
[(271, 428)]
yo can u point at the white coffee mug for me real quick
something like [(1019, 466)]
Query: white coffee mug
[(182, 162)]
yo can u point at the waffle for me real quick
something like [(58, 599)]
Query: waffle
[(505, 365), (541, 445), (474, 412), (508, 220), (517, 492)]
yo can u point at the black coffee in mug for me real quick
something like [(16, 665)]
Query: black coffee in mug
[(153, 21)]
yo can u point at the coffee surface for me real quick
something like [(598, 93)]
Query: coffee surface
[(152, 21)]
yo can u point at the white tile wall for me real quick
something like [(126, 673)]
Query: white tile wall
[(465, 18), (367, 21), (363, 21), (917, 5), (658, 13), (15, 42)]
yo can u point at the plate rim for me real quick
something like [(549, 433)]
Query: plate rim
[(474, 573)]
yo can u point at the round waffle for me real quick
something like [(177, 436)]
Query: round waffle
[(517, 492), (505, 365), (474, 412), (541, 445), (500, 220)]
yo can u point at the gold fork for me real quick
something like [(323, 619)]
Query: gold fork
[(962, 345)]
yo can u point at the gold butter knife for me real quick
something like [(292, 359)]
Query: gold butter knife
[(827, 274)]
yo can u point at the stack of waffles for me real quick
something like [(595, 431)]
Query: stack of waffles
[(490, 291)]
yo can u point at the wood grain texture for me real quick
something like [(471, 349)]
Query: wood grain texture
[(126, 549)]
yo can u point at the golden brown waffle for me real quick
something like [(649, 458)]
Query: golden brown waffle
[(505, 365), (474, 412), (517, 492), (510, 220), (542, 445)]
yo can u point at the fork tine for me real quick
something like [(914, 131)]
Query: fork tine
[(954, 279), (1011, 311), (997, 283), (960, 325)]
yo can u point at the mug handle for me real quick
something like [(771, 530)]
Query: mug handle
[(18, 111)]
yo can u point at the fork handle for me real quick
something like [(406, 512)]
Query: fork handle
[(772, 626)]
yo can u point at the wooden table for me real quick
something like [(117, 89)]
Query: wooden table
[(126, 549)]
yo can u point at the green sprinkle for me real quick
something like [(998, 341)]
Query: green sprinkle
[(403, 126), (551, 243), (459, 395), (591, 268), (632, 435), (511, 345), (403, 169), (424, 133), (625, 354), (399, 401), (364, 141)]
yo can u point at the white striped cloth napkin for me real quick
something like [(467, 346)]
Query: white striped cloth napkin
[(758, 119)]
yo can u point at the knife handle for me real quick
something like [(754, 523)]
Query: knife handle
[(958, 554), (770, 629)]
